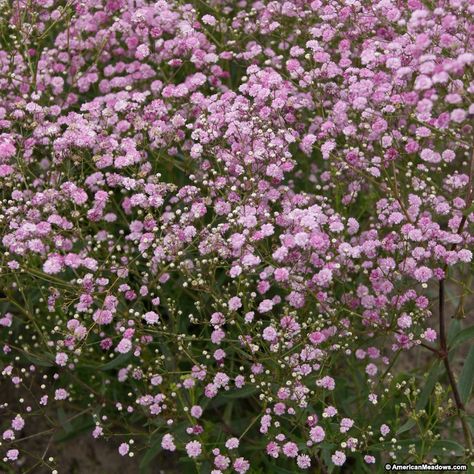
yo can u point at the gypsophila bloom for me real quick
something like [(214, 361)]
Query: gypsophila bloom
[(196, 411), (12, 454), (243, 218), (167, 442), (193, 448), (290, 449), (338, 458), (18, 423), (317, 434), (124, 346), (61, 359), (303, 461), (151, 317), (61, 394), (232, 443), (430, 335), (123, 449), (346, 425), (241, 465), (369, 459), (384, 430)]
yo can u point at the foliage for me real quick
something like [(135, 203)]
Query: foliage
[(238, 233)]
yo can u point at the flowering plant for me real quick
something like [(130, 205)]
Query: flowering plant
[(237, 233)]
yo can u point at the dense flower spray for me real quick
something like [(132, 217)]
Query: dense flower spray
[(223, 224)]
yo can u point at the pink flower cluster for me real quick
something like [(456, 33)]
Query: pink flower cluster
[(214, 215)]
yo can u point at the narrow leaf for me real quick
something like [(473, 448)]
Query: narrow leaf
[(63, 420), (462, 336), (150, 454), (241, 392), (38, 361), (431, 380), (454, 329), (437, 447), (466, 379), (117, 361)]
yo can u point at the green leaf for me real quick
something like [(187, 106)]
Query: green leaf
[(433, 377), (150, 454), (77, 429), (63, 420), (241, 392), (462, 336), (408, 425), (360, 465), (281, 470), (326, 457), (117, 361), (470, 420), (446, 447), (466, 379), (439, 447), (454, 329), (206, 467), (431, 380), (469, 210), (38, 361), (227, 416)]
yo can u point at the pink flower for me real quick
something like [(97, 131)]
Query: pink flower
[(232, 443), (345, 425), (273, 449), (167, 443), (53, 265), (12, 454), (124, 346), (317, 337), (103, 316), (317, 434), (384, 430), (61, 394), (430, 335), (326, 382), (369, 459), (196, 411), (290, 449), (123, 449), (235, 303), (221, 462), (209, 20), (269, 334), (241, 465), (8, 435), (423, 274), (18, 423), (5, 170), (142, 51), (303, 461), (404, 321), (281, 274), (151, 317), (193, 448), (338, 458), (371, 369), (61, 359), (7, 149), (265, 306)]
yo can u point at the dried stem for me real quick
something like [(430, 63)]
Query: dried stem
[(443, 351)]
